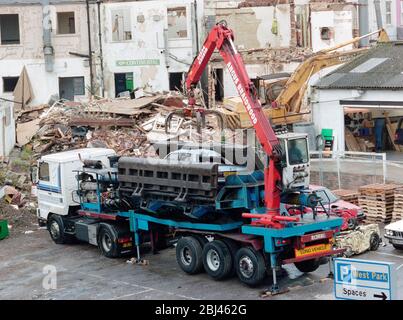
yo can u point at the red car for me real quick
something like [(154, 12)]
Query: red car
[(350, 213)]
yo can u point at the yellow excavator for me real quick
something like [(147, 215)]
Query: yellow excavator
[(285, 94)]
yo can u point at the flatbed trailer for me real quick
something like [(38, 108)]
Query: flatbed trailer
[(225, 248)]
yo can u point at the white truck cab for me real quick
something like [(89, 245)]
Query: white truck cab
[(56, 179)]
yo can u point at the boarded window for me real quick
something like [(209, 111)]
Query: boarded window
[(177, 23), (9, 29), (70, 87), (9, 83), (121, 25), (66, 23)]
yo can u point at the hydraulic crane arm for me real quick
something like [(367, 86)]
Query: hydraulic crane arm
[(221, 38)]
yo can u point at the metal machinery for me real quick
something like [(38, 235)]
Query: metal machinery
[(223, 223)]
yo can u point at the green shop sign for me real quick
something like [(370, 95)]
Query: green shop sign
[(138, 62)]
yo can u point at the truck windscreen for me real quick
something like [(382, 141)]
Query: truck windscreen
[(297, 151)]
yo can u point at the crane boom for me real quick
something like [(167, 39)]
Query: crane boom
[(221, 38)]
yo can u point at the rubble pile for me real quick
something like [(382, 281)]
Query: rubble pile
[(123, 124)]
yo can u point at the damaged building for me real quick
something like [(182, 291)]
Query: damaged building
[(50, 39)]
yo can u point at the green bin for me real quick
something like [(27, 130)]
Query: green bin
[(3, 229)]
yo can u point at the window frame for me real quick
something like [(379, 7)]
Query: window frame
[(40, 177), (388, 14), (9, 77), (57, 24), (188, 23), (19, 30)]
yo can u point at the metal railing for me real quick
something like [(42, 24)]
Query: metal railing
[(350, 169)]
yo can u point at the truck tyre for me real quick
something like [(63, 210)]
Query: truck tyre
[(397, 246), (217, 260), (233, 247), (107, 241), (250, 266), (189, 255), (308, 265), (374, 242), (56, 230), (201, 238)]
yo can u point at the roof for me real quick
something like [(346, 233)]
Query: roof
[(72, 155), (379, 68)]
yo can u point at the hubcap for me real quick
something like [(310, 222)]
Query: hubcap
[(246, 267), (106, 242), (54, 230), (213, 260), (186, 256)]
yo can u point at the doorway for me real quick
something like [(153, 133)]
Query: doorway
[(175, 81), (123, 82), (218, 83)]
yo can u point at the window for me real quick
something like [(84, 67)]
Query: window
[(325, 33), (121, 25), (66, 23), (44, 171), (70, 87), (177, 23), (297, 151), (9, 83), (388, 12), (9, 29)]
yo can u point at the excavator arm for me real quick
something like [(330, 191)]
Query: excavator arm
[(221, 38)]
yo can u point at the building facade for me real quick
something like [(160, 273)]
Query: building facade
[(149, 44), (51, 41)]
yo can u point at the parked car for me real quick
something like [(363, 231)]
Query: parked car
[(394, 233), (332, 204), (399, 132)]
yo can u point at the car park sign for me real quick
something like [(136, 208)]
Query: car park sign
[(356, 279)]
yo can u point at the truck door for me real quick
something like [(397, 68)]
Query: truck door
[(50, 197)]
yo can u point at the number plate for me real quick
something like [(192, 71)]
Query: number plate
[(307, 251)]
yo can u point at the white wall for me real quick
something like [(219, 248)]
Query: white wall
[(390, 28), (148, 42), (44, 84), (328, 113), (7, 128), (341, 24)]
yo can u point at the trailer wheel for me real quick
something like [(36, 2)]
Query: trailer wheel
[(308, 265), (250, 266), (56, 230), (374, 242), (217, 260), (233, 247), (189, 255), (201, 238), (107, 241)]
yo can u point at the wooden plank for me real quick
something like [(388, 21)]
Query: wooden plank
[(391, 132), (351, 141)]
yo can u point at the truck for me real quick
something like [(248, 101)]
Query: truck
[(238, 224)]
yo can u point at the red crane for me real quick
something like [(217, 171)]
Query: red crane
[(222, 39)]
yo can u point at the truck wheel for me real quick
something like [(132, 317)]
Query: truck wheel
[(374, 242), (107, 241), (250, 266), (233, 247), (217, 260), (397, 246), (308, 265), (56, 230), (201, 238), (189, 255)]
